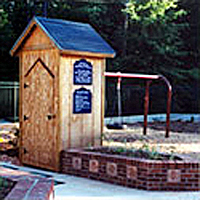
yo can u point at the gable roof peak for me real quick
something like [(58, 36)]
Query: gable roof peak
[(69, 36)]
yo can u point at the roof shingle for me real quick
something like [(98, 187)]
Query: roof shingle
[(75, 36), (68, 36)]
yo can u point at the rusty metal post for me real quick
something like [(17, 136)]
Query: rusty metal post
[(146, 106), (119, 104), (169, 97)]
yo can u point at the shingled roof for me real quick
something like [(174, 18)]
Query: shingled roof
[(68, 35)]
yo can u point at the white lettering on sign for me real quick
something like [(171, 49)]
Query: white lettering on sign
[(82, 72), (82, 101)]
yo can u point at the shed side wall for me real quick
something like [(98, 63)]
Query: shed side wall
[(81, 130)]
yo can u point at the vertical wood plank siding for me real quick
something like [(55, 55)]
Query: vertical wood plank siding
[(80, 130)]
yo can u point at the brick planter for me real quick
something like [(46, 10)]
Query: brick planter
[(144, 174)]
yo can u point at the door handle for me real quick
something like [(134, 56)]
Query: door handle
[(51, 116), (25, 151)]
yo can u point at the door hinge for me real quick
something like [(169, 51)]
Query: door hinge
[(25, 117), (51, 116), (26, 85)]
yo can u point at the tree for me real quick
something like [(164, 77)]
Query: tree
[(160, 42), (149, 36), (8, 65), (155, 31)]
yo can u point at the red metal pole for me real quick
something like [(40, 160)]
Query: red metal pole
[(146, 106), (119, 100), (169, 97)]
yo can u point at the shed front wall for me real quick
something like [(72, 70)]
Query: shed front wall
[(39, 97), (81, 130)]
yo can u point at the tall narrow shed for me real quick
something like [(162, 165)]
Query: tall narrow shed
[(62, 67)]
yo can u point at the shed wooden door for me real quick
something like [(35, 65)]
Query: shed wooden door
[(39, 137)]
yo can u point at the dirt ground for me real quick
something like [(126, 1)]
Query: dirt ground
[(9, 134), (184, 138)]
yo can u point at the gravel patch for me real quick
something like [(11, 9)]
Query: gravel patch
[(184, 138)]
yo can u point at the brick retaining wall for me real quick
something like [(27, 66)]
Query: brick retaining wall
[(28, 187), (136, 173)]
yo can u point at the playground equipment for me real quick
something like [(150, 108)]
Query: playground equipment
[(149, 79)]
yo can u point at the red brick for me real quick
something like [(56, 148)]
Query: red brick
[(148, 172), (194, 171), (186, 175), (156, 171)]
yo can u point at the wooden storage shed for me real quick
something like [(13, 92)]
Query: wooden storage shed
[(62, 67)]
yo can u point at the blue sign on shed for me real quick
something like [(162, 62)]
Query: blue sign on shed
[(82, 101), (82, 72)]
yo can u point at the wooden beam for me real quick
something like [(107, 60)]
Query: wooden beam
[(88, 54), (38, 47)]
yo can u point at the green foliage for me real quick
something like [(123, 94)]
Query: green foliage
[(145, 151), (161, 39), (152, 152), (8, 67), (149, 36), (157, 30), (151, 11), (120, 150), (172, 156)]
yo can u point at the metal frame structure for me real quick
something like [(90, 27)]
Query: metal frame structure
[(149, 79)]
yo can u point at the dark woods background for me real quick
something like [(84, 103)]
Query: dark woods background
[(137, 51)]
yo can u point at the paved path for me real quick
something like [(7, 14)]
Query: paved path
[(85, 189), (79, 188)]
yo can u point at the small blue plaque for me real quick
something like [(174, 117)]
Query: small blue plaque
[(82, 102), (82, 72)]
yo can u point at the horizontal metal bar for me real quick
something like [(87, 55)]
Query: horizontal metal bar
[(9, 87), (9, 83), (126, 75)]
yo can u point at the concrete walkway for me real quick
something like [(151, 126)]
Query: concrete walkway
[(81, 189)]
